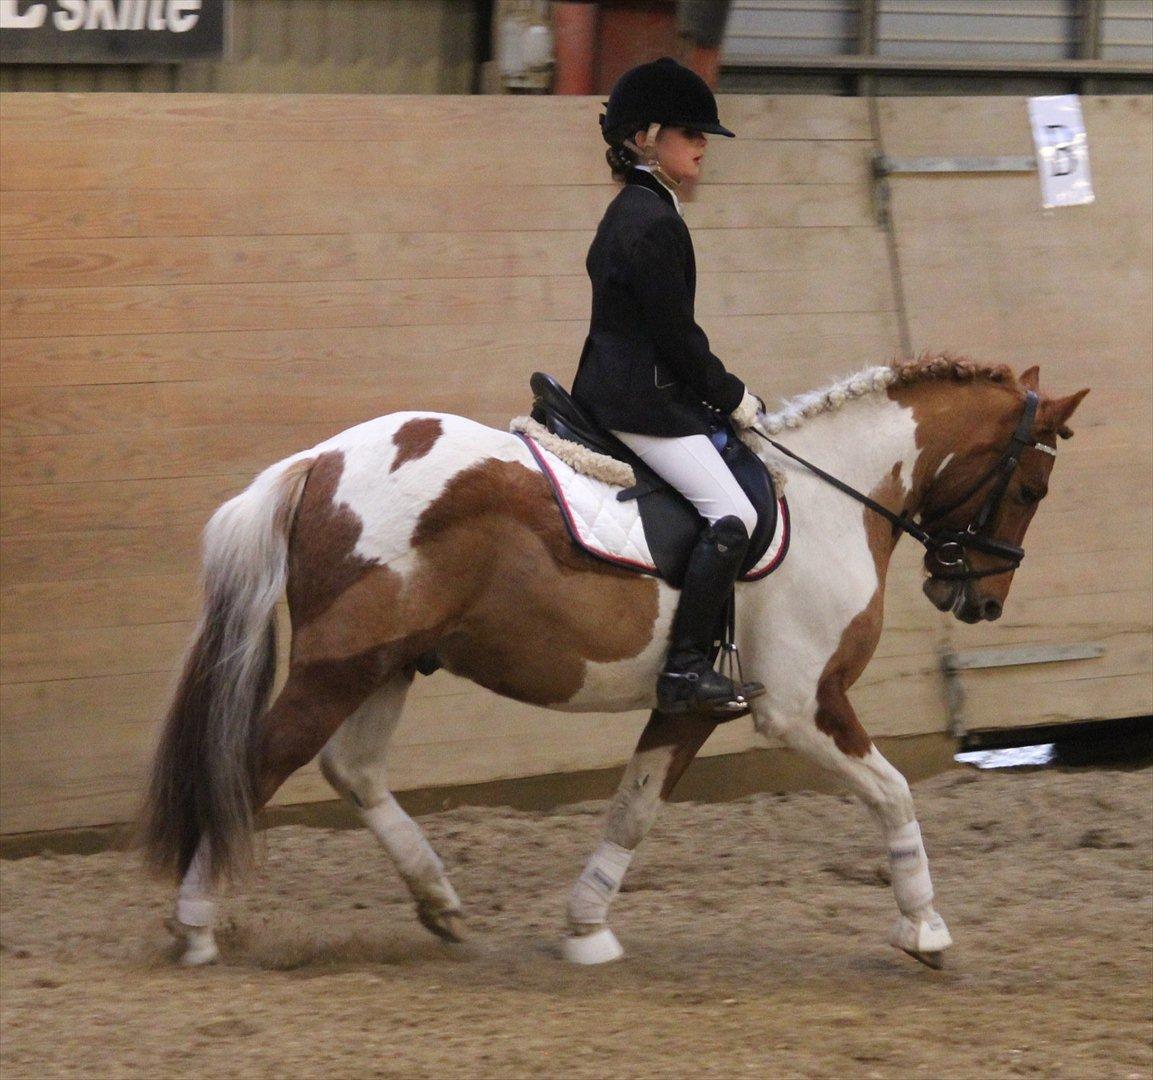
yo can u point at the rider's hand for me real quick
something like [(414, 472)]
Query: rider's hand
[(746, 413)]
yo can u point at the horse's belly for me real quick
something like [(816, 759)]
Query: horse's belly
[(565, 656)]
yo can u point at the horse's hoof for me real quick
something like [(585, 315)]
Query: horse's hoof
[(447, 925), (599, 947), (200, 954), (199, 941), (935, 960), (924, 940)]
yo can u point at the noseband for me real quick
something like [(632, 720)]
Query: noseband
[(948, 545)]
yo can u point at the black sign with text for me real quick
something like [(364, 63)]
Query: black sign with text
[(110, 31)]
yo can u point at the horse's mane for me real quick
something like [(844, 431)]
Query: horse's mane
[(926, 368)]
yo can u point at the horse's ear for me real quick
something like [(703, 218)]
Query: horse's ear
[(1055, 413), (1031, 379)]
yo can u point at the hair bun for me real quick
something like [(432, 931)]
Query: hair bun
[(621, 159)]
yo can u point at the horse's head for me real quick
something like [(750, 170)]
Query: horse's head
[(992, 455)]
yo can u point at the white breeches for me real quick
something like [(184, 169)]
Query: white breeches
[(696, 469)]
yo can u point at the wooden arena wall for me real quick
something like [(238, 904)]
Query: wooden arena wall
[(197, 285)]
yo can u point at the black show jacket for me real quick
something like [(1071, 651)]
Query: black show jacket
[(646, 365)]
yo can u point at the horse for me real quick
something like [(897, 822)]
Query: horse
[(422, 536)]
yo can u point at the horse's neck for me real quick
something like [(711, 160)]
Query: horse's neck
[(869, 443)]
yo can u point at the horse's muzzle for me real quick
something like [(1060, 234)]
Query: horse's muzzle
[(958, 597), (942, 593)]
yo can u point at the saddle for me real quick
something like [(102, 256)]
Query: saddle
[(670, 523)]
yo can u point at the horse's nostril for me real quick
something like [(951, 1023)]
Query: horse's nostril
[(991, 609)]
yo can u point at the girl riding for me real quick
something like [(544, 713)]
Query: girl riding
[(646, 372)]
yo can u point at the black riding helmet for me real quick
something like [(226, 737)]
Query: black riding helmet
[(662, 92)]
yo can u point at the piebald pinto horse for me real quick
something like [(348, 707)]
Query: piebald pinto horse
[(421, 535)]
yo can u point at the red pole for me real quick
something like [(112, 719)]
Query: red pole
[(575, 29), (705, 60)]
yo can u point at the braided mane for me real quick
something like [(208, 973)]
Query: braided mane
[(926, 368)]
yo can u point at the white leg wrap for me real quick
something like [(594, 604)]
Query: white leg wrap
[(195, 912), (909, 869), (415, 859), (598, 885), (194, 903)]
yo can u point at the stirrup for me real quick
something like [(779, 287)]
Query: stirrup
[(678, 694)]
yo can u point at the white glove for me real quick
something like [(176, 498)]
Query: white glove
[(746, 413)]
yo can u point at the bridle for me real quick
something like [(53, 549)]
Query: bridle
[(949, 545)]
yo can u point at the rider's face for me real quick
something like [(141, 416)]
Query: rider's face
[(680, 151)]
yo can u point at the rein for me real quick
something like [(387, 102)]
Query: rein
[(949, 545)]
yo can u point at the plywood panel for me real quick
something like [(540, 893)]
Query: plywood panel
[(360, 118), (34, 215), (32, 510), (126, 164), (797, 351), (92, 602), (427, 301), (246, 259)]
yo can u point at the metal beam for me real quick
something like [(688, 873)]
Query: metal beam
[(952, 663), (959, 65), (1018, 655), (883, 165), (867, 21)]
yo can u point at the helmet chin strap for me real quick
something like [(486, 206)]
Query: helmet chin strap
[(648, 156)]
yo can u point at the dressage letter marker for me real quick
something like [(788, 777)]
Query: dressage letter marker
[(1062, 150)]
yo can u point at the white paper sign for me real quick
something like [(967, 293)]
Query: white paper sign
[(1062, 150)]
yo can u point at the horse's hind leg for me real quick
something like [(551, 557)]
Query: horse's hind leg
[(835, 739), (310, 707), (195, 921), (666, 747), (353, 761)]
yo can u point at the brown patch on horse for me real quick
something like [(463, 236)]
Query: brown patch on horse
[(497, 588), (316, 699), (943, 413), (291, 482), (835, 714), (414, 438), (891, 493), (322, 563), (533, 609)]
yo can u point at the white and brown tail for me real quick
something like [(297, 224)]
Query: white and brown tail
[(202, 777)]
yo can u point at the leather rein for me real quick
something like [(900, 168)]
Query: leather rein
[(949, 545)]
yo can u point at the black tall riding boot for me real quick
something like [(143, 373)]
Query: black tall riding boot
[(689, 682)]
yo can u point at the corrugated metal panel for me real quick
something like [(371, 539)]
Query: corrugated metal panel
[(1016, 29), (791, 27), (1127, 30), (303, 46)]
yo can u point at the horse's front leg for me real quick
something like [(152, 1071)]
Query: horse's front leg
[(833, 737), (666, 747)]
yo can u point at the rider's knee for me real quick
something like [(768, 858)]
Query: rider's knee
[(744, 512), (733, 530)]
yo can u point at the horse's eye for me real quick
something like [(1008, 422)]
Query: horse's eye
[(1030, 495)]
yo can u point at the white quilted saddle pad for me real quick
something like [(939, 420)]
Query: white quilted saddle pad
[(612, 530)]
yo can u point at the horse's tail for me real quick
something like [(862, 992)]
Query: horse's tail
[(202, 783)]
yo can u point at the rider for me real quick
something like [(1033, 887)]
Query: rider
[(646, 371)]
